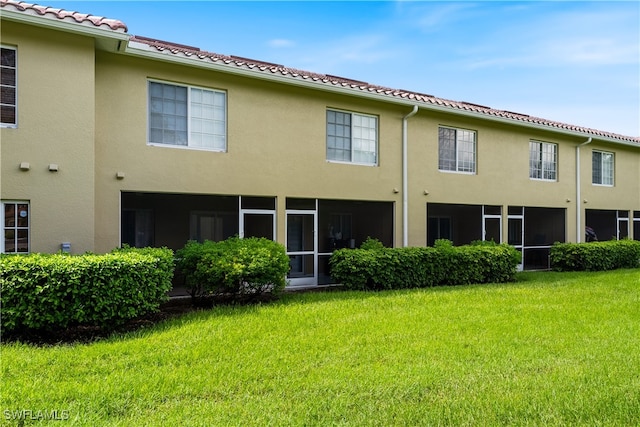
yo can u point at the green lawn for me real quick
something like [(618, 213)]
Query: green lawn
[(550, 349)]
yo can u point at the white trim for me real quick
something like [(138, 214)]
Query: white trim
[(243, 212), (485, 217), (304, 281), (343, 162), (517, 217), (182, 147), (620, 220)]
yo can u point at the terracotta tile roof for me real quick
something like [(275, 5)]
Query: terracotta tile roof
[(64, 15), (270, 68)]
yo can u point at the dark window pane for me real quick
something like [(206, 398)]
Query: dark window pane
[(8, 95), (10, 215), (23, 215), (8, 57), (23, 241), (596, 166), (8, 115), (268, 203), (447, 149), (7, 77), (9, 241)]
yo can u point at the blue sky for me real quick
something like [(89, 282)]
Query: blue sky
[(574, 62)]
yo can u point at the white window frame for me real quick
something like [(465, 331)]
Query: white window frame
[(354, 138), (603, 175), (540, 162), (15, 227), (189, 116), (459, 161), (15, 104)]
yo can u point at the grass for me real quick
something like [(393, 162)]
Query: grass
[(550, 349)]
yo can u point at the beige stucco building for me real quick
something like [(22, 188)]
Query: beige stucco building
[(109, 139)]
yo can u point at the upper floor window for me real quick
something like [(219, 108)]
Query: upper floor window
[(8, 79), (456, 150), (187, 116), (15, 227), (352, 137), (602, 168), (543, 160)]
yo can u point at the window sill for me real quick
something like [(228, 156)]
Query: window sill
[(542, 180), (457, 172), (352, 163), (186, 147)]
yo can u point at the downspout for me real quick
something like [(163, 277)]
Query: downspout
[(405, 179), (579, 230)]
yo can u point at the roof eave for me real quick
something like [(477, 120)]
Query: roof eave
[(106, 39)]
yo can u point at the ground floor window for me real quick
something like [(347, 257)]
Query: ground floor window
[(636, 225), (15, 227), (171, 220), (317, 227), (137, 227), (438, 228), (531, 230), (461, 224), (607, 224), (314, 227)]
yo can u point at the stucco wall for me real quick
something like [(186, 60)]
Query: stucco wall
[(276, 143), (502, 170), (55, 125), (276, 147)]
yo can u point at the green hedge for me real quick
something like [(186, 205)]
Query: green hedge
[(51, 291), (415, 267), (233, 267), (595, 256)]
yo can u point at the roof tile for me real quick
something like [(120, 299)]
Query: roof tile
[(65, 15)]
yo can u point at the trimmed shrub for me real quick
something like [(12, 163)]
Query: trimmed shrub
[(50, 291), (415, 267), (595, 256), (371, 243), (234, 267)]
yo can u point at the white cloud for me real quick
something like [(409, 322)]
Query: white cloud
[(347, 56), (558, 38), (280, 43), (430, 17)]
